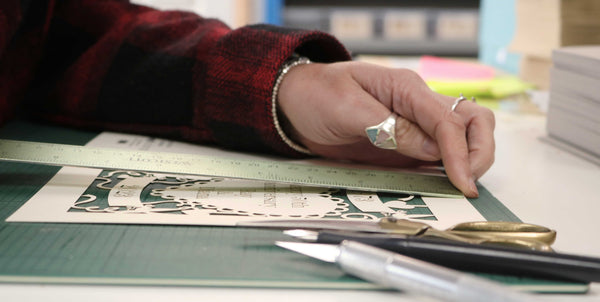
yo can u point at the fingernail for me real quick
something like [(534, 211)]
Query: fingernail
[(430, 147), (473, 188)]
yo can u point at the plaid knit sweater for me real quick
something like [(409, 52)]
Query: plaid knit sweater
[(109, 64)]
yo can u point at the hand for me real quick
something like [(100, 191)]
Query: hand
[(326, 108)]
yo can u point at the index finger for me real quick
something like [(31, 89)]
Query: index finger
[(432, 112), (480, 124), (450, 134)]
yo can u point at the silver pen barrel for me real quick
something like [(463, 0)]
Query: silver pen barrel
[(419, 277)]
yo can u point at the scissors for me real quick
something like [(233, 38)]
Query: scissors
[(516, 234)]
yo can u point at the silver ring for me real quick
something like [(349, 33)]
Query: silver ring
[(460, 99), (383, 135)]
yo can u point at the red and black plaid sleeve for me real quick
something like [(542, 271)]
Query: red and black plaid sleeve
[(117, 66)]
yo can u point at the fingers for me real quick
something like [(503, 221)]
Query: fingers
[(450, 135), (464, 137), (466, 140), (411, 140)]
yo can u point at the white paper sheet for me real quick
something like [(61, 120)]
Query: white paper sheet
[(82, 195)]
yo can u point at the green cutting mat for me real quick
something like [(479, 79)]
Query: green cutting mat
[(162, 254)]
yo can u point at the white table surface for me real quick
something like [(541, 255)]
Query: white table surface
[(540, 183)]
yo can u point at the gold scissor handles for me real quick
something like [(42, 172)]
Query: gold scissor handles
[(485, 232), (517, 230)]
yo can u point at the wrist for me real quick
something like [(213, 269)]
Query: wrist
[(281, 123)]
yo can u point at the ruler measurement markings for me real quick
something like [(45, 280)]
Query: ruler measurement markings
[(367, 180)]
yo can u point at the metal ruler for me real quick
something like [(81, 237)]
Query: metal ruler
[(275, 171)]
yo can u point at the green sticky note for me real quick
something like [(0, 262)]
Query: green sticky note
[(497, 88)]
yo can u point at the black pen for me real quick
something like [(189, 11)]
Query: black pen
[(471, 257)]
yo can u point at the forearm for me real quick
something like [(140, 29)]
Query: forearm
[(168, 73)]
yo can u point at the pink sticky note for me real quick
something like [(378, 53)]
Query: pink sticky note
[(435, 68)]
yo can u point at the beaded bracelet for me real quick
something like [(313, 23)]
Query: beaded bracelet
[(288, 65)]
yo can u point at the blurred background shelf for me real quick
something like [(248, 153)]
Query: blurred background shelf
[(400, 27), (392, 27), (411, 47)]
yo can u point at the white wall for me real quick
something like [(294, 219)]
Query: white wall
[(234, 13)]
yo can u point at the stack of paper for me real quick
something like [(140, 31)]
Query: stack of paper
[(574, 110), (544, 25)]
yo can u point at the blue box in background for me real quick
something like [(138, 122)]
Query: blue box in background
[(273, 11), (497, 27)]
